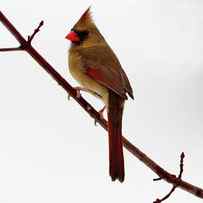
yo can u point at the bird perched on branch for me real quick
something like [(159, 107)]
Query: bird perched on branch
[(95, 66)]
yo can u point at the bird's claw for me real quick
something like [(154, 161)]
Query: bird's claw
[(78, 93), (78, 89)]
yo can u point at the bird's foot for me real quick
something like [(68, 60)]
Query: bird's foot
[(78, 89)]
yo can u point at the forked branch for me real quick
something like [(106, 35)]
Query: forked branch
[(26, 45), (182, 156)]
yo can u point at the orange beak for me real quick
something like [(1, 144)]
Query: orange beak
[(72, 36)]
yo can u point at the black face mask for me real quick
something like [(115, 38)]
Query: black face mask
[(81, 34)]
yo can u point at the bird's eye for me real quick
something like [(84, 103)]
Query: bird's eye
[(81, 33)]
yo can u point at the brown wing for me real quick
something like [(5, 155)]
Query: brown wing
[(102, 65)]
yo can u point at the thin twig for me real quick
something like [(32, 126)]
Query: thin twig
[(30, 38), (182, 156), (94, 114), (11, 49)]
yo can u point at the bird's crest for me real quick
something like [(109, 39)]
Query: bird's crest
[(86, 16), (85, 19)]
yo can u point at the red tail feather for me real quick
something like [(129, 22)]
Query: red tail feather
[(116, 159)]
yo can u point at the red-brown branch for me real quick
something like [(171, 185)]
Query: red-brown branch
[(94, 114), (30, 38), (182, 156), (12, 49)]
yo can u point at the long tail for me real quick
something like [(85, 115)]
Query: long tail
[(116, 159)]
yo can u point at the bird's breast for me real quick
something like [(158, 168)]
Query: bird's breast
[(78, 71)]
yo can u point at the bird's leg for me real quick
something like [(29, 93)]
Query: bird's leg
[(78, 89)]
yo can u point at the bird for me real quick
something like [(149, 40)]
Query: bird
[(97, 69)]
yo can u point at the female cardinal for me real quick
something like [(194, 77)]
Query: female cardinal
[(95, 66)]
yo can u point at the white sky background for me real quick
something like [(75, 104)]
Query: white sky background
[(50, 150)]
